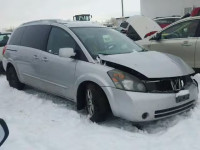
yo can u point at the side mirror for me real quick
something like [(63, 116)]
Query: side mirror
[(4, 132), (157, 37), (66, 52)]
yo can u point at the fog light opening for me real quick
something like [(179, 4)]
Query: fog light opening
[(145, 115)]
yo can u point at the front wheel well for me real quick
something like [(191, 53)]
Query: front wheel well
[(81, 101)]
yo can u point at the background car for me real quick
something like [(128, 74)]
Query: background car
[(195, 12), (3, 41), (180, 39), (139, 27), (165, 21)]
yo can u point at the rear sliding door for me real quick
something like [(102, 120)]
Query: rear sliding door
[(33, 41), (58, 73)]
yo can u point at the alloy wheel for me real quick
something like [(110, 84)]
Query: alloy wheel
[(90, 105)]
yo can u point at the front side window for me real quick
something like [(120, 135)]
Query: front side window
[(99, 40), (182, 30), (59, 39), (4, 39)]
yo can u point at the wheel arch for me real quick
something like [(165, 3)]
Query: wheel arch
[(10, 64), (80, 92)]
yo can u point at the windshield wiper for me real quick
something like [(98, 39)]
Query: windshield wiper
[(104, 54)]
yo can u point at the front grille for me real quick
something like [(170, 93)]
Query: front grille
[(174, 110), (169, 85)]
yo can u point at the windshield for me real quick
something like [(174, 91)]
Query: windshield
[(105, 41)]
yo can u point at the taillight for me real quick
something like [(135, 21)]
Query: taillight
[(149, 34), (4, 50)]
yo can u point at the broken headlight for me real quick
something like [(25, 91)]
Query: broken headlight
[(126, 81)]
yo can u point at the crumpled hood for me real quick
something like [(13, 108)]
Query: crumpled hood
[(151, 64)]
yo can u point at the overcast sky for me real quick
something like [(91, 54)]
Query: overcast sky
[(16, 12)]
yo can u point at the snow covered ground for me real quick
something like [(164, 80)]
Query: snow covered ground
[(39, 121)]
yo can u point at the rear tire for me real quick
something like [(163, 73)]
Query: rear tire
[(1, 68), (96, 103), (13, 79)]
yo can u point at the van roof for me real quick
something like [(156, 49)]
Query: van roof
[(64, 22)]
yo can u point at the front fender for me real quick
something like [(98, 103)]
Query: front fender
[(102, 82), (99, 80)]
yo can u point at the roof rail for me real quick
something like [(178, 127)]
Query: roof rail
[(45, 21)]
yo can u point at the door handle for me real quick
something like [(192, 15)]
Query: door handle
[(35, 57), (186, 43), (45, 59)]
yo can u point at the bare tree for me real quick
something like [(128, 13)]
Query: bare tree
[(113, 21), (11, 29), (110, 22)]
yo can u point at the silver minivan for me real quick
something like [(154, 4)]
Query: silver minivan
[(100, 69)]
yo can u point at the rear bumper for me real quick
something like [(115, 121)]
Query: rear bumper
[(143, 107)]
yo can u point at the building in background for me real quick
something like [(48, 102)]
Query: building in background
[(163, 8)]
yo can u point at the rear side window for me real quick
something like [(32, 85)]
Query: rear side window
[(16, 36), (59, 39), (36, 36), (131, 33)]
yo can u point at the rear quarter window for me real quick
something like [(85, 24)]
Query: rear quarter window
[(36, 36), (16, 36)]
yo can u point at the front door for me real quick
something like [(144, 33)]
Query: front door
[(58, 73)]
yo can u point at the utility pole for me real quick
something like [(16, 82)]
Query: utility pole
[(122, 8)]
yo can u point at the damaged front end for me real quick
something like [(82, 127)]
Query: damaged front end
[(130, 80), (169, 85)]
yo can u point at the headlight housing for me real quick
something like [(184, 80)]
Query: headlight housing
[(126, 81)]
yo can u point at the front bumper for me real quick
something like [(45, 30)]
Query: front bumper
[(142, 107)]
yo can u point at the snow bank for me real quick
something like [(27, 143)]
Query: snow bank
[(38, 121)]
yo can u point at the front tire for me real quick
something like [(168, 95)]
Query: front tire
[(13, 78), (96, 103)]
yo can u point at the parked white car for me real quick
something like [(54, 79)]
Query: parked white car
[(182, 39), (139, 27)]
